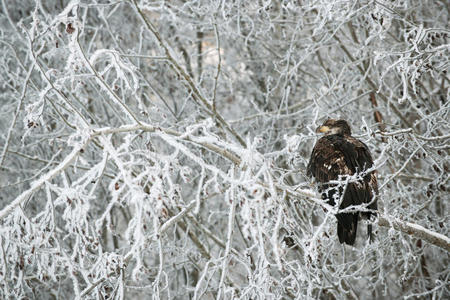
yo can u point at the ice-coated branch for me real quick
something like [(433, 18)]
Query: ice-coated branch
[(103, 83), (149, 128), (412, 229), (415, 230), (105, 131), (225, 259), (410, 131), (47, 177)]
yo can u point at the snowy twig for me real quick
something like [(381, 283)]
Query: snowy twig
[(219, 65), (190, 82), (13, 122), (410, 131), (225, 258), (103, 83)]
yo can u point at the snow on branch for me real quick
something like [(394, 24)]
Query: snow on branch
[(105, 131), (415, 230), (45, 178), (412, 229)]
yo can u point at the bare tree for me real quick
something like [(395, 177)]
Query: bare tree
[(158, 148)]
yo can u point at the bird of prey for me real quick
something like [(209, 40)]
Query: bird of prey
[(340, 164)]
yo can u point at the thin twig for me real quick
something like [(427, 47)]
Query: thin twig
[(201, 99), (14, 120), (219, 65)]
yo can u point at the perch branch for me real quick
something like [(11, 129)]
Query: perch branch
[(416, 230)]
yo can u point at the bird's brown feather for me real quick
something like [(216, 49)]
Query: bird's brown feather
[(334, 157)]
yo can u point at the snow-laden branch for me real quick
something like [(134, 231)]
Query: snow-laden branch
[(149, 128), (416, 230), (105, 131), (410, 131), (47, 177)]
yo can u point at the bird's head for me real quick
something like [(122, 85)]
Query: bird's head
[(332, 126)]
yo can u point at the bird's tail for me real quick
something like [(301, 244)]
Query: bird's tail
[(346, 227), (369, 233)]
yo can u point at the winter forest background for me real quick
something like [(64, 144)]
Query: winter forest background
[(158, 149)]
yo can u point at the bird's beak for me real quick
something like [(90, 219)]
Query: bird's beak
[(322, 129)]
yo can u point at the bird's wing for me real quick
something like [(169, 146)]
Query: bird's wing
[(332, 156), (336, 155)]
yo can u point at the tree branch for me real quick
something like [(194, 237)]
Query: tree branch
[(47, 177), (417, 231)]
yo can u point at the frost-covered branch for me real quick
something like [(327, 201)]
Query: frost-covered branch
[(45, 178), (416, 231)]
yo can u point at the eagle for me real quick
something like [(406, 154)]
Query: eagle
[(341, 164)]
